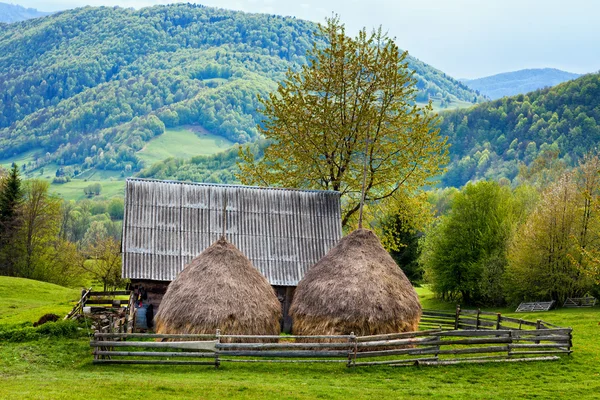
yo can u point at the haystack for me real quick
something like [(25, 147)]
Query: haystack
[(357, 287), (219, 289)]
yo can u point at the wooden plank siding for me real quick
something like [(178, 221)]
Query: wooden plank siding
[(282, 231)]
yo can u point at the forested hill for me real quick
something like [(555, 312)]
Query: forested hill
[(491, 139), (91, 86), (519, 82), (13, 13)]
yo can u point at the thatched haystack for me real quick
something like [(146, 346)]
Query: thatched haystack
[(219, 289), (357, 287)]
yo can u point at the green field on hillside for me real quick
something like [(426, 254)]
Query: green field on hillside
[(182, 142), (25, 300), (61, 368)]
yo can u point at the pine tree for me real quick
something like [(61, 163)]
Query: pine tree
[(11, 196)]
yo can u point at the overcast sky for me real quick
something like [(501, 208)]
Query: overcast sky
[(464, 38)]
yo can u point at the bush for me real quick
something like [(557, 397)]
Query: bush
[(27, 333)]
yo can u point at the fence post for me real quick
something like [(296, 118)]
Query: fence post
[(499, 318), (217, 361), (477, 323), (456, 317), (509, 345), (353, 350), (537, 327)]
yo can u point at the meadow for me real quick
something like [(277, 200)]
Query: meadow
[(61, 367), (181, 142)]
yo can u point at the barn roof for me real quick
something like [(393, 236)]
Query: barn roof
[(282, 231)]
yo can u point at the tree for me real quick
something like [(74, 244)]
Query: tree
[(352, 104), (40, 213), (541, 257), (464, 255), (11, 197), (105, 263)]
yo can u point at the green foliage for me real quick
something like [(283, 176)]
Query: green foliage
[(55, 330), (515, 130), (464, 254), (353, 91), (549, 254), (11, 197), (90, 87)]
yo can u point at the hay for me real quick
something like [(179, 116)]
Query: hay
[(357, 287), (219, 289)]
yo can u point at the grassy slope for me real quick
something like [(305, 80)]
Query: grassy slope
[(182, 143), (62, 369), (25, 300)]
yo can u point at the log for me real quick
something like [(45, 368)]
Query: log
[(209, 346), (475, 312), (265, 346), (389, 336), (153, 354), (292, 353), (476, 332), (107, 301), (160, 362), (482, 322), (518, 321), (476, 350), (449, 314), (114, 293), (512, 353), (282, 361), (542, 332), (537, 346), (397, 342), (154, 336), (471, 341), (383, 353), (388, 362), (553, 338), (288, 337)]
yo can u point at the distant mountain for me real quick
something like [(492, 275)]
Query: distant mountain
[(92, 86), (492, 140), (518, 82), (13, 13)]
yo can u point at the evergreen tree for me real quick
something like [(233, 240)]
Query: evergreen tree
[(11, 196)]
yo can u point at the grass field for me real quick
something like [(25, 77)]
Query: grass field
[(182, 142), (61, 369), (24, 300)]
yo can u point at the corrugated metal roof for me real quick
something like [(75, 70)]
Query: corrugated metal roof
[(282, 231)]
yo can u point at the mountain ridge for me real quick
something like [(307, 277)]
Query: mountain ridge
[(10, 13), (518, 82), (90, 86)]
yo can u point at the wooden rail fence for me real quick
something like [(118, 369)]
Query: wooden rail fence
[(463, 336)]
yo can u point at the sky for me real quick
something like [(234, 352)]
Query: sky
[(463, 38)]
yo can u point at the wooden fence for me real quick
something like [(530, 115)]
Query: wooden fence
[(473, 336)]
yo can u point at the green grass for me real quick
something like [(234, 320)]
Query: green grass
[(182, 142), (55, 368), (74, 190), (25, 300), (19, 159)]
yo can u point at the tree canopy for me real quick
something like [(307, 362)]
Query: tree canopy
[(352, 107)]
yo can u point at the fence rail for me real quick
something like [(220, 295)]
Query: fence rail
[(461, 336)]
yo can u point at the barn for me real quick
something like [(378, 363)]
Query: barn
[(282, 231)]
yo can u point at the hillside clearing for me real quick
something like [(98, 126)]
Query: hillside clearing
[(182, 142)]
